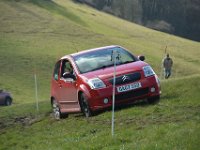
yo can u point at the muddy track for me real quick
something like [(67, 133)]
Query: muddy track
[(24, 121)]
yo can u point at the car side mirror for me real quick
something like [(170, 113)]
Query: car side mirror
[(68, 75), (142, 58)]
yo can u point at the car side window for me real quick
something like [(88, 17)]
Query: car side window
[(56, 70), (66, 67)]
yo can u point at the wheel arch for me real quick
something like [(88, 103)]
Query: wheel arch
[(52, 99), (8, 97), (83, 89)]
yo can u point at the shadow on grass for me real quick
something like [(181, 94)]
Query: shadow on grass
[(170, 96), (141, 103)]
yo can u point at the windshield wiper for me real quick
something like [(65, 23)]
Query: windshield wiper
[(126, 62), (102, 67), (105, 66)]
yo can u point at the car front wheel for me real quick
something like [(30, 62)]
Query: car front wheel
[(85, 106)]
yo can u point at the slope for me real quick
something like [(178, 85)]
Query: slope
[(171, 124), (35, 33)]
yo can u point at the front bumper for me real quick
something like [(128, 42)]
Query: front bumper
[(102, 98)]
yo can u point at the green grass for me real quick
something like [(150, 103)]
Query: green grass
[(35, 33), (171, 124)]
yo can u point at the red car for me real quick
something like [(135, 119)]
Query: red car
[(5, 98), (83, 81)]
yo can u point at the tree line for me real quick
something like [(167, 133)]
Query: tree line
[(179, 17)]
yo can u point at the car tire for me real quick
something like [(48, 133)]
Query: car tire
[(56, 111), (85, 106), (8, 101), (153, 100)]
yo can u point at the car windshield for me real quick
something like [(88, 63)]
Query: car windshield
[(102, 58)]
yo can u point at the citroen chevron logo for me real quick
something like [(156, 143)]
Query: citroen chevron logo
[(124, 78)]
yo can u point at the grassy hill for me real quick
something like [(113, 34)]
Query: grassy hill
[(35, 33)]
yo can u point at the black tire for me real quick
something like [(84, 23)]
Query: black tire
[(56, 111), (153, 100), (85, 106), (8, 101)]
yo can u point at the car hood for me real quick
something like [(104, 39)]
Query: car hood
[(107, 73)]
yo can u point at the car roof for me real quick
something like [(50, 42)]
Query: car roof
[(89, 50)]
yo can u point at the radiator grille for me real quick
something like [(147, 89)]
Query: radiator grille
[(132, 94), (127, 78)]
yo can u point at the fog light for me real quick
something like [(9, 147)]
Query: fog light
[(105, 100), (153, 89)]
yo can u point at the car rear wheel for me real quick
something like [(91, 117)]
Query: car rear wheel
[(85, 106), (56, 110), (8, 101)]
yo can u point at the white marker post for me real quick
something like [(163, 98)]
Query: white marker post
[(115, 56), (36, 93)]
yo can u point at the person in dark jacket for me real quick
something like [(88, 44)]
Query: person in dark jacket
[(167, 64)]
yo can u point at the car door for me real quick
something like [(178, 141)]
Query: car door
[(55, 87), (68, 88)]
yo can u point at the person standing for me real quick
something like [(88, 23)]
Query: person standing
[(167, 64)]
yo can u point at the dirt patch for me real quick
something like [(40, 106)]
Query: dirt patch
[(27, 121), (24, 121)]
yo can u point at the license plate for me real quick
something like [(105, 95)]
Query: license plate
[(129, 87)]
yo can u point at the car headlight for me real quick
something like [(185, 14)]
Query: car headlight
[(96, 83), (148, 71)]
